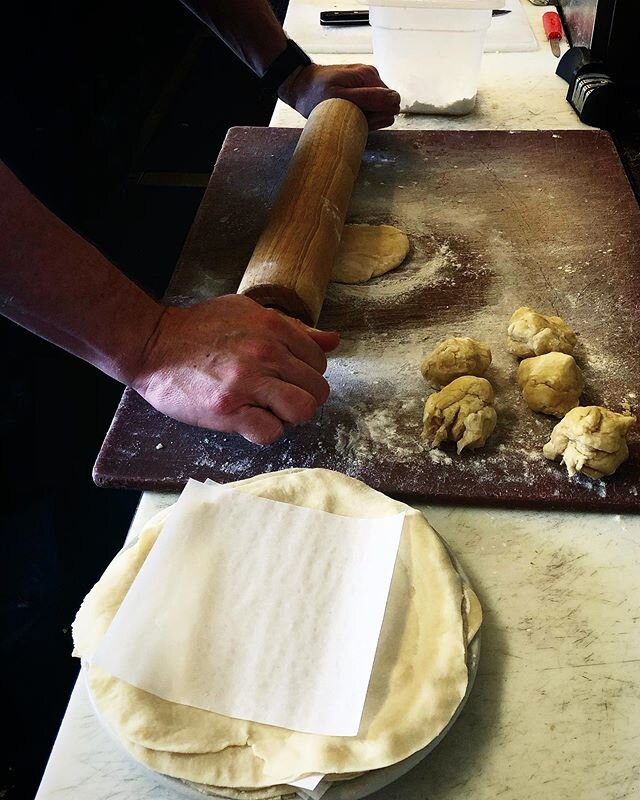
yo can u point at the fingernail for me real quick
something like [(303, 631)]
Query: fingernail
[(394, 96)]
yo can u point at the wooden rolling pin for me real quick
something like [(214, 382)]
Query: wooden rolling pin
[(292, 261)]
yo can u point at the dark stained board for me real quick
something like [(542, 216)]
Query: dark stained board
[(496, 219)]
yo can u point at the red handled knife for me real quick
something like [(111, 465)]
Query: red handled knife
[(553, 31)]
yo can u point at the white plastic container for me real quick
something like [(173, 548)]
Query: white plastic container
[(430, 51)]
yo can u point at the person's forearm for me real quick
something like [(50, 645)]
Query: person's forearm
[(57, 285), (248, 27)]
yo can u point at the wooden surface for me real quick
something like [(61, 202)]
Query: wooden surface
[(290, 267), (496, 220)]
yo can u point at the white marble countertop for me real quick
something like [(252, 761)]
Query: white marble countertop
[(517, 91), (507, 33), (555, 711)]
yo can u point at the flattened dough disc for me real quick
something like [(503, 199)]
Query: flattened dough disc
[(367, 251), (415, 686)]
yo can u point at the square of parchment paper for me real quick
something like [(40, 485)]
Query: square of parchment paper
[(258, 610)]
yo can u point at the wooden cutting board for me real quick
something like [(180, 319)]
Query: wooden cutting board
[(497, 220)]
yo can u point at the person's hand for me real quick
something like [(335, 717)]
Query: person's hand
[(359, 83), (231, 365)]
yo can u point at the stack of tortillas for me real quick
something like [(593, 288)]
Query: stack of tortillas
[(419, 676)]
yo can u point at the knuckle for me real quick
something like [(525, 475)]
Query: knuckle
[(304, 408), (265, 435), (265, 430), (269, 435), (272, 321), (225, 402), (264, 350), (311, 352), (369, 71), (236, 376)]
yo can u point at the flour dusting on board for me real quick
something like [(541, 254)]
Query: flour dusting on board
[(386, 366), (479, 248), (480, 209), (438, 268), (378, 428), (374, 414)]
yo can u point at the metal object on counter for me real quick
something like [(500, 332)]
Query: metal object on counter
[(580, 18), (348, 18), (361, 17), (592, 93), (609, 30)]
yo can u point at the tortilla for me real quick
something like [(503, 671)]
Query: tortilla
[(418, 680)]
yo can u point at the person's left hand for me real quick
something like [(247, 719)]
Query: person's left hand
[(359, 83)]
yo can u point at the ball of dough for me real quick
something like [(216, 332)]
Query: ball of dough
[(367, 251), (590, 439), (454, 358), (551, 383), (462, 412), (533, 334)]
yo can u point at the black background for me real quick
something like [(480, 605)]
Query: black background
[(94, 99)]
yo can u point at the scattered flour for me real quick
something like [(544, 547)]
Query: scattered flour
[(597, 486), (376, 432), (439, 456), (467, 259), (390, 431), (439, 268)]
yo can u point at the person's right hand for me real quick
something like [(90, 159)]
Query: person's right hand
[(231, 365)]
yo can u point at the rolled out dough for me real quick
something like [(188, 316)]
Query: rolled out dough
[(419, 675), (367, 251)]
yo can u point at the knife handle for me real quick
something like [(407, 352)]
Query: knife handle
[(552, 25), (358, 17)]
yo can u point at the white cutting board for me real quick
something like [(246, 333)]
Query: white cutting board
[(509, 33)]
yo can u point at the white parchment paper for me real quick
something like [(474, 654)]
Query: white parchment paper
[(319, 790), (258, 610), (310, 783)]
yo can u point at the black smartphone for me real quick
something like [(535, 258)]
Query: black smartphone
[(345, 17)]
